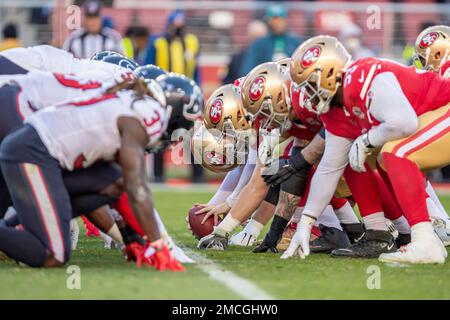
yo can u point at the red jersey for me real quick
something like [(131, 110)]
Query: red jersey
[(311, 123), (444, 71), (425, 91)]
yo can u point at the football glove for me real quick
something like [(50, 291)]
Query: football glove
[(300, 241), (359, 151), (135, 252), (159, 256), (281, 169)]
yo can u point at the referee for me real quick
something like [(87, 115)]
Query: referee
[(93, 37)]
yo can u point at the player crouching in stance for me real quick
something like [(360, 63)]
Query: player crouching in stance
[(368, 104), (432, 53), (115, 125)]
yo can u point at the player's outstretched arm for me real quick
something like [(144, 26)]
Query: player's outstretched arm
[(131, 158)]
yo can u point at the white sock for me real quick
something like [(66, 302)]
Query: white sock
[(402, 225), (346, 215), (115, 234), (375, 221), (254, 228), (430, 191), (434, 211), (227, 225), (328, 218), (297, 215)]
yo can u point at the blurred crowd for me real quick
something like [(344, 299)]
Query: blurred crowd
[(269, 38)]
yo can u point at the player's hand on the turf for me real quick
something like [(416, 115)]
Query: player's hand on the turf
[(214, 210), (300, 241), (160, 257), (359, 151), (135, 252)]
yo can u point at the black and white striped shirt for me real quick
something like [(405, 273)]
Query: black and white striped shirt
[(84, 45)]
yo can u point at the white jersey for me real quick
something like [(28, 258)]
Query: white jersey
[(48, 58), (82, 132), (41, 89)]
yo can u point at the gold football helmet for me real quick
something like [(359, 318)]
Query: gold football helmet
[(265, 95), (224, 110), (318, 65), (432, 48), (217, 155)]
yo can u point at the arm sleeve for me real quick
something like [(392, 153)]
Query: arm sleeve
[(391, 107), (328, 173), (227, 186), (247, 173)]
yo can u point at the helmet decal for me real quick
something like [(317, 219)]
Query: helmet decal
[(214, 158), (215, 113), (428, 39), (310, 56), (257, 88)]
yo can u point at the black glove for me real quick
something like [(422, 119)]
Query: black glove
[(273, 236), (264, 246), (281, 169)]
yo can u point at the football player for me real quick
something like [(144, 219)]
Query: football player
[(48, 58), (256, 190), (432, 52), (395, 108)]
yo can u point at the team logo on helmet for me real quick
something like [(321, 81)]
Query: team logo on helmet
[(215, 113), (214, 158), (429, 39), (310, 56), (257, 88)]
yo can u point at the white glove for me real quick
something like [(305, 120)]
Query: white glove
[(359, 151), (300, 241), (243, 239)]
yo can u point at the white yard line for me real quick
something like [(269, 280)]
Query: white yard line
[(242, 287)]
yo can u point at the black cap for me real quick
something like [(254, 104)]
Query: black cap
[(92, 8)]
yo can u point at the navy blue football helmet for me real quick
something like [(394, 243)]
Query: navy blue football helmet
[(121, 61), (184, 100), (149, 72), (103, 54)]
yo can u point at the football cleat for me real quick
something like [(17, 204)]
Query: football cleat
[(442, 229), (107, 240), (176, 251), (370, 245), (213, 242), (74, 234), (243, 239), (354, 231), (425, 248), (330, 239)]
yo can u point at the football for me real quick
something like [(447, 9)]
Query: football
[(200, 230)]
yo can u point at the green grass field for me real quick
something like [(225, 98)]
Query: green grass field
[(105, 274)]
